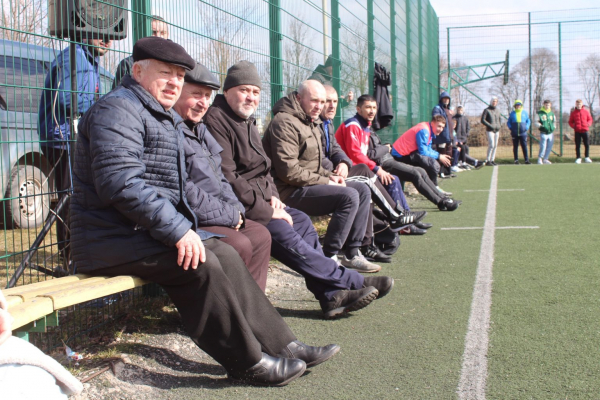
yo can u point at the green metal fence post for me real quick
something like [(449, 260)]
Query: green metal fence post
[(371, 39), (276, 47), (448, 44), (530, 86), (560, 93), (422, 92), (141, 26), (335, 51), (394, 70), (409, 77)]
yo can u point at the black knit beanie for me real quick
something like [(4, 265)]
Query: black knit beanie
[(242, 73)]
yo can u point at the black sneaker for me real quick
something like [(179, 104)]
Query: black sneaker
[(412, 230), (527, 162), (372, 253), (423, 225), (494, 163), (516, 162), (345, 301), (448, 204), (479, 165), (407, 218), (383, 284)]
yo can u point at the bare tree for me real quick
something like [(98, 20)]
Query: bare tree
[(516, 88), (544, 75), (589, 74), (298, 53), (354, 49), (21, 18)]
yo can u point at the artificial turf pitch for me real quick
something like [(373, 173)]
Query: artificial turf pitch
[(544, 337)]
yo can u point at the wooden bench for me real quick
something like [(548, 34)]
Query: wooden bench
[(35, 306)]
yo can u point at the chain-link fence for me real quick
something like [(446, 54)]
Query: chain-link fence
[(553, 55), (42, 94)]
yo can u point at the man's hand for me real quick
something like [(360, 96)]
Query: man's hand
[(385, 177), (276, 203), (341, 170), (445, 159), (279, 213), (336, 180), (190, 250), (239, 225)]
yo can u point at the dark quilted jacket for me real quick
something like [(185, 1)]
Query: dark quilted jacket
[(208, 192), (129, 173), (335, 155)]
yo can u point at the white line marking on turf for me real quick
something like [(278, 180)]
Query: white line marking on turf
[(498, 190), (473, 377), (466, 228)]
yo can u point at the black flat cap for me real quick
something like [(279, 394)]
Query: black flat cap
[(164, 50), (202, 76)]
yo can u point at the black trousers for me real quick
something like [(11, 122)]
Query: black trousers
[(522, 140), (349, 206), (586, 144), (409, 168), (222, 308)]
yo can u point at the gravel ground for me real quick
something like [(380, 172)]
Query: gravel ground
[(149, 366)]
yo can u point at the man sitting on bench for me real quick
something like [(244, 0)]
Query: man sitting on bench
[(129, 215)]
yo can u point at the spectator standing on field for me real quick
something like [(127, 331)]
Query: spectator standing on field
[(443, 141), (519, 123), (491, 120), (463, 127), (547, 122), (581, 120)]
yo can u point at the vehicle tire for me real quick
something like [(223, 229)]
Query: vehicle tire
[(28, 197)]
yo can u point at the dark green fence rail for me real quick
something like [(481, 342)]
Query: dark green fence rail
[(286, 39)]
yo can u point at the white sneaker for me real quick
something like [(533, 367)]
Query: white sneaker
[(540, 162), (588, 160), (360, 263), (336, 259), (443, 191), (578, 161), (454, 169), (547, 162)]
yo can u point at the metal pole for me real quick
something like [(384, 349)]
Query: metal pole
[(409, 77), (335, 49), (275, 39), (394, 62), (560, 93), (141, 24), (530, 84), (422, 114), (448, 42), (325, 32), (371, 44)]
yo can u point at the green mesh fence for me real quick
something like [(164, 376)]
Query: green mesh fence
[(288, 40), (554, 55)]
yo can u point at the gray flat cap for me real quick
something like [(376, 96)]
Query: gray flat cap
[(202, 76)]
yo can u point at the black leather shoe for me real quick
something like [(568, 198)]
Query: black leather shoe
[(412, 230), (372, 253), (345, 301), (270, 371), (448, 204), (383, 284), (311, 355), (423, 225)]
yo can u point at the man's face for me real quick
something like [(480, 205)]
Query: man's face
[(446, 101), (578, 105), (367, 110), (99, 47), (243, 99), (312, 100), (162, 80), (518, 106), (193, 102), (331, 102), (438, 127), (494, 102), (547, 106), (160, 29), (460, 111)]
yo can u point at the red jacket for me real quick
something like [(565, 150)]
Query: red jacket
[(580, 120)]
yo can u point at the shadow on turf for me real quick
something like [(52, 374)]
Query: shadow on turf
[(314, 314)]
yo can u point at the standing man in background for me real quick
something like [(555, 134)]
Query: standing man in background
[(546, 121), (491, 120), (581, 120)]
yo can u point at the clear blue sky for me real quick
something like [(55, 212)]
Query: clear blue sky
[(445, 8)]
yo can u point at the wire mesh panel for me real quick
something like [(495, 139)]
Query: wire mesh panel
[(43, 93), (553, 55)]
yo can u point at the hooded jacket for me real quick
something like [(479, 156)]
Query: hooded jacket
[(129, 179), (518, 125), (244, 162), (546, 120), (208, 192), (293, 143), (490, 118), (385, 113), (443, 110), (580, 120), (462, 127)]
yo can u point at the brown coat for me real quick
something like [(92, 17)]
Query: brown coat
[(293, 142), (244, 163)]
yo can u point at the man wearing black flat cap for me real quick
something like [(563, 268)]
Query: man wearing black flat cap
[(130, 216)]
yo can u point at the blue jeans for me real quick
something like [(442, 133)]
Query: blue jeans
[(546, 142)]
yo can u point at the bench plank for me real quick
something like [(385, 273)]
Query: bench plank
[(43, 284), (30, 311), (27, 293)]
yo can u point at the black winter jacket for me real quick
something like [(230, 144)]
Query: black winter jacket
[(128, 176), (334, 155), (462, 127), (244, 162), (208, 192), (385, 114)]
